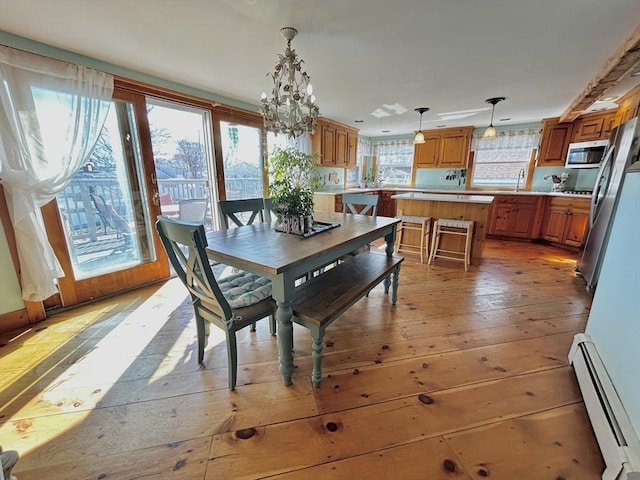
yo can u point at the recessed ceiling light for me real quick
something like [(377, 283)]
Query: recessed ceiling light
[(440, 126), (359, 121), (503, 119), (386, 131)]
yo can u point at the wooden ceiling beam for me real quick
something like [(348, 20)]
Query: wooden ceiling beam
[(626, 57)]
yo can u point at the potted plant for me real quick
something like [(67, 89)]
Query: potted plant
[(294, 177)]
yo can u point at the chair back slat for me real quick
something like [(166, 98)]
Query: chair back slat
[(360, 203), (185, 244), (230, 210)]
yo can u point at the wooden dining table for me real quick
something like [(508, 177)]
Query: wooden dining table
[(284, 258)]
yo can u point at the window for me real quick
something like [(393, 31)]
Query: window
[(395, 159), (504, 160), (355, 175)]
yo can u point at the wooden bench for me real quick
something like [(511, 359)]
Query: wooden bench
[(322, 299)]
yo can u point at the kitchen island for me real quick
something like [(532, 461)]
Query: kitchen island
[(435, 205)]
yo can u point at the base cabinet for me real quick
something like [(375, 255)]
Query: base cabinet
[(566, 221), (514, 216), (386, 205)]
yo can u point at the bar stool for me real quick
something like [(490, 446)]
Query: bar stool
[(450, 226), (420, 224)]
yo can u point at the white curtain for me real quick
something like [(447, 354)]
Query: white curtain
[(516, 139), (51, 114)]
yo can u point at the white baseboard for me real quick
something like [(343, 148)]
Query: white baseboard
[(616, 437)]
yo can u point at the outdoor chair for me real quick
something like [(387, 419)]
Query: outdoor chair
[(108, 215), (112, 219), (230, 303), (242, 212), (193, 210)]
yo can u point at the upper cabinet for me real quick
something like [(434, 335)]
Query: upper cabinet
[(446, 148), (554, 143), (335, 143), (629, 106), (593, 126), (556, 137)]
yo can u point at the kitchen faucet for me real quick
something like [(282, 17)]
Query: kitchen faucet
[(520, 176)]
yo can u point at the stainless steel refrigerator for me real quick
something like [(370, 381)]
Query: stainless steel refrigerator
[(604, 201)]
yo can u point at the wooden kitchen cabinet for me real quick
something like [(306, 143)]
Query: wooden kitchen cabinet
[(566, 221), (386, 205), (335, 143), (628, 106), (554, 143), (593, 126), (352, 150), (446, 148), (515, 216)]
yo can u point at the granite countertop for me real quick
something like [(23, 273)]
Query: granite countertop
[(444, 197), (450, 192)]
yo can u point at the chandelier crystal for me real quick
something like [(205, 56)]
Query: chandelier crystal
[(291, 110)]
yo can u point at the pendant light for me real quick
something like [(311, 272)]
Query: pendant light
[(490, 132), (419, 138)]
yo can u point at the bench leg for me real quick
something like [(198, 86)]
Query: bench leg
[(316, 355), (394, 288), (387, 283)]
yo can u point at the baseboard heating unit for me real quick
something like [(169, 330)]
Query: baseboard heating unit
[(616, 437)]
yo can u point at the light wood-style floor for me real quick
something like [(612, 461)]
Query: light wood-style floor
[(466, 378)]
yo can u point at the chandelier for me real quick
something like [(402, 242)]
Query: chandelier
[(291, 109)]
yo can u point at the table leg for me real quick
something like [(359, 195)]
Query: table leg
[(285, 340), (390, 239)]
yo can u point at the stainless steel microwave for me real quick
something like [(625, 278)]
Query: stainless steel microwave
[(586, 154)]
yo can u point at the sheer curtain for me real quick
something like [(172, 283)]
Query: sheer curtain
[(395, 160), (503, 160), (51, 114)]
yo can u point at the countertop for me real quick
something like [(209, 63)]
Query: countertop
[(444, 197), (400, 190)]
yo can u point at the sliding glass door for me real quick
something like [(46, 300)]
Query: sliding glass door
[(103, 235), (183, 159)]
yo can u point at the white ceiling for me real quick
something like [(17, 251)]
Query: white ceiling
[(361, 55)]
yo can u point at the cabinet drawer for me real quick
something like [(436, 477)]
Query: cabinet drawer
[(572, 203), (517, 199)]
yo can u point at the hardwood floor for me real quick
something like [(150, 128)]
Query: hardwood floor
[(466, 377)]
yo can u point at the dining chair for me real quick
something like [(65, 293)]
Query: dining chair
[(192, 209), (241, 212), (230, 303), (360, 203)]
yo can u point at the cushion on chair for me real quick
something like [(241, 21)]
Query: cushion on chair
[(243, 289)]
